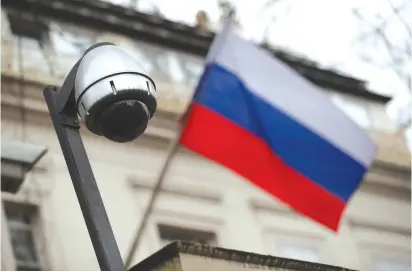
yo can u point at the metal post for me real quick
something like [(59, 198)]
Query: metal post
[(67, 129)]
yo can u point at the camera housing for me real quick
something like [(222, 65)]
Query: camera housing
[(114, 95)]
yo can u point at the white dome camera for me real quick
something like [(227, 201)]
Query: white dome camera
[(114, 96)]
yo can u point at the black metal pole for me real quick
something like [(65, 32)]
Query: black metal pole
[(67, 128)]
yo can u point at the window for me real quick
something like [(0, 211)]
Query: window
[(193, 68), (68, 44), (390, 264), (168, 234), (380, 258), (139, 55), (175, 68), (166, 64), (304, 253), (71, 41), (295, 246), (20, 223), (159, 60), (185, 68), (153, 59), (381, 249)]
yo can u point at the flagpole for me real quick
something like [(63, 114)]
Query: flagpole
[(174, 146)]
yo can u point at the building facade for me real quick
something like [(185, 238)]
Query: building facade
[(42, 224)]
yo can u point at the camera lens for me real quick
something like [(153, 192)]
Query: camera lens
[(123, 121)]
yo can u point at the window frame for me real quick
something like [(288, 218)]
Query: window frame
[(33, 212), (182, 220), (278, 221), (375, 240), (370, 251), (274, 238), (66, 32), (177, 230), (187, 62)]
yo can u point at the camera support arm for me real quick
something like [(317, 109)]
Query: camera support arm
[(61, 105), (66, 101)]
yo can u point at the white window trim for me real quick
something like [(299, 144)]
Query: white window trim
[(57, 29), (370, 241), (279, 220), (179, 228), (275, 237), (184, 220), (368, 251)]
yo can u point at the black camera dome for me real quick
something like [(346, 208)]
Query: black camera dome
[(123, 121)]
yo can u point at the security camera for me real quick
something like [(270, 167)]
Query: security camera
[(113, 94), (116, 98)]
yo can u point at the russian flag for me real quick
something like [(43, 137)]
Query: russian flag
[(258, 117)]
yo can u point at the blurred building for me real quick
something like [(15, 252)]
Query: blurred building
[(42, 224)]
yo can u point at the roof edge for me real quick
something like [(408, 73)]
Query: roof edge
[(172, 250)]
